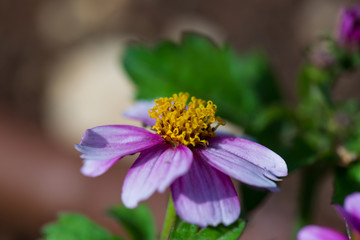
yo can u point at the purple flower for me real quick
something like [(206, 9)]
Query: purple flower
[(184, 153), (349, 31), (350, 212)]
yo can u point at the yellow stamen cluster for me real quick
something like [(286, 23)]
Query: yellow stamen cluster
[(179, 123)]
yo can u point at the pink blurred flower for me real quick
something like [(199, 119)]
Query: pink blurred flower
[(350, 212), (184, 154), (349, 29)]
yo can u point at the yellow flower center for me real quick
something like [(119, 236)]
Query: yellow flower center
[(186, 124)]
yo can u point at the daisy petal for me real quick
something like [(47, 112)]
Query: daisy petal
[(94, 168), (204, 196), (155, 169), (238, 168), (252, 152), (140, 111), (111, 141), (319, 233), (103, 146)]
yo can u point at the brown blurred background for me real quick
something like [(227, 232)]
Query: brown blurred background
[(60, 74)]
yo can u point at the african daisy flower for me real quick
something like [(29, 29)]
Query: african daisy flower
[(350, 212), (184, 153)]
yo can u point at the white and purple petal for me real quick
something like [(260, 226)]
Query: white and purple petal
[(312, 232), (102, 146), (155, 169), (140, 111), (94, 168), (110, 141), (251, 152), (205, 196), (238, 168)]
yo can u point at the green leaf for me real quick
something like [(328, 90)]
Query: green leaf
[(183, 230), (222, 232), (240, 86), (138, 222), (71, 226), (347, 181)]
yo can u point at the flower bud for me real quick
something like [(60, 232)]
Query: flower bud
[(349, 28)]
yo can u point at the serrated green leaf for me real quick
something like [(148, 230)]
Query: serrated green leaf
[(71, 226), (347, 181), (183, 230), (240, 86), (138, 222), (222, 232)]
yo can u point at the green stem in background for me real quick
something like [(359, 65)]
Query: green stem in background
[(326, 90), (309, 181), (170, 219)]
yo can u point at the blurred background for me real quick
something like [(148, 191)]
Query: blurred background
[(61, 73)]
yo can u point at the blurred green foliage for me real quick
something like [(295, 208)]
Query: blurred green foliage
[(139, 222), (71, 226)]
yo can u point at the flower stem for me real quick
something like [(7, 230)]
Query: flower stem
[(169, 222)]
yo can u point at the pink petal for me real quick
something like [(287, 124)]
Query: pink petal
[(238, 168), (252, 152), (155, 169), (140, 111), (352, 207), (312, 232), (205, 196), (94, 168), (107, 144), (351, 222)]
